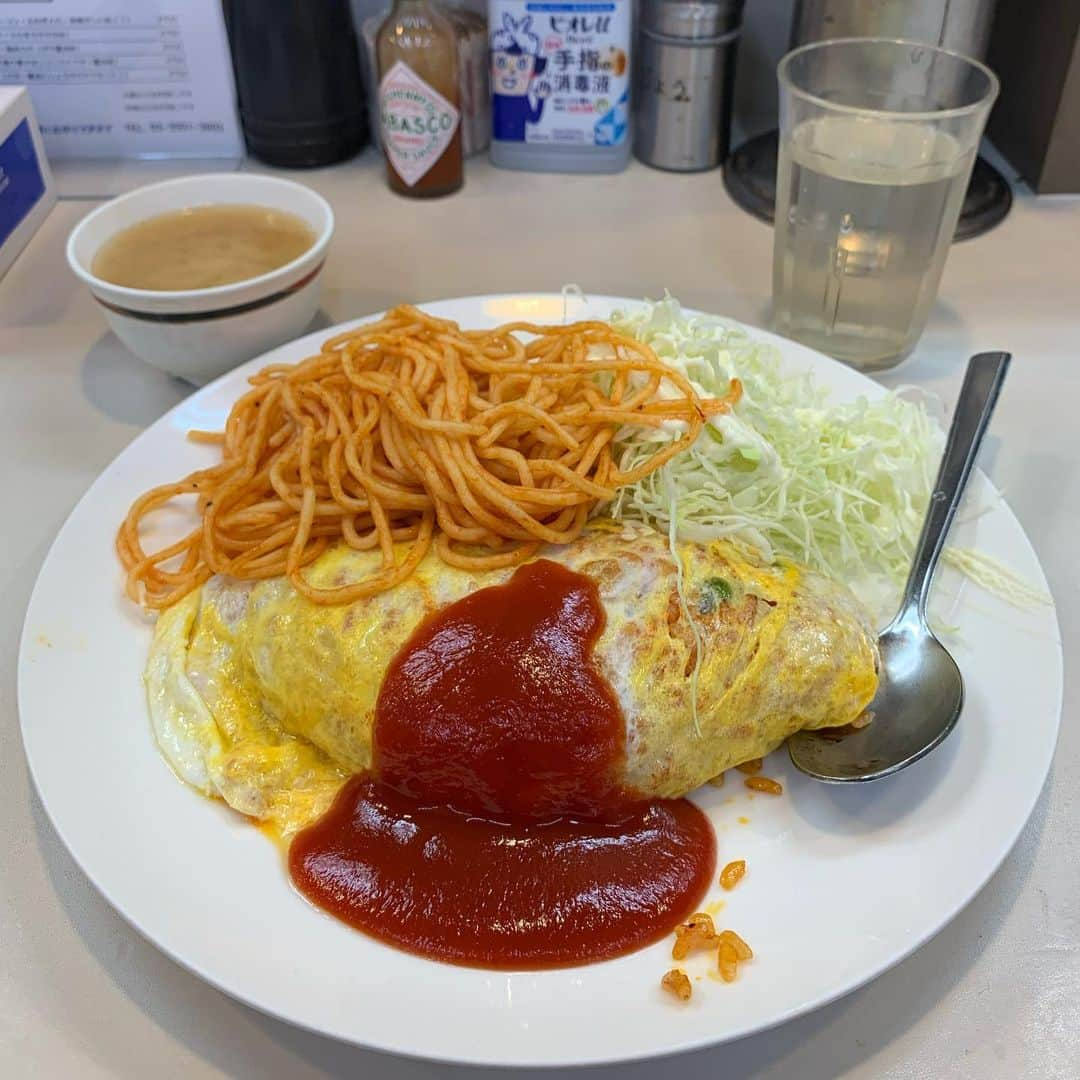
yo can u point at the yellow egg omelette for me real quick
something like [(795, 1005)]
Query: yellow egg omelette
[(267, 701)]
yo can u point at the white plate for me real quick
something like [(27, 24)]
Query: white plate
[(842, 882)]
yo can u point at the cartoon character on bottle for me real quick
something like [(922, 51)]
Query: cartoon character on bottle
[(516, 60)]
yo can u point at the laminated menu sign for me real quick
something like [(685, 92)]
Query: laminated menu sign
[(124, 78), (560, 71)]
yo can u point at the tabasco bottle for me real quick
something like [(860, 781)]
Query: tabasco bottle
[(419, 104)]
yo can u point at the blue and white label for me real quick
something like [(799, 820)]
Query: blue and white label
[(21, 182), (560, 71)]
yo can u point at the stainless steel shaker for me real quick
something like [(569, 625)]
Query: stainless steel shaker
[(685, 67)]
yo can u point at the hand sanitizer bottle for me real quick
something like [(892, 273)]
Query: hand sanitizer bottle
[(560, 84)]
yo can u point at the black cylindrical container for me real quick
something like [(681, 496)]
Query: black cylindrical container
[(298, 80)]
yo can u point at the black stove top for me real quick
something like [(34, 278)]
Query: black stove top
[(750, 178)]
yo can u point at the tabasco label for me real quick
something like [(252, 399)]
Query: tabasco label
[(418, 123)]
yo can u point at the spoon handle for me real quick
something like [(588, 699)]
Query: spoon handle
[(978, 396)]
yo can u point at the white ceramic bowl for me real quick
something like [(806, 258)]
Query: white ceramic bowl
[(198, 334)]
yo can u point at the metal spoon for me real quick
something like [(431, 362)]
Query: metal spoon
[(920, 692)]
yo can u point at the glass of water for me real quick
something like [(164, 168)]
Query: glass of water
[(877, 141)]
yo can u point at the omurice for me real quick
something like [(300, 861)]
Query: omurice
[(268, 701), (463, 764)]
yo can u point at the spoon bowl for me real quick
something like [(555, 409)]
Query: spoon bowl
[(919, 698), (920, 691)]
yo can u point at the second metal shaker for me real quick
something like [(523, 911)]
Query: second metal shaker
[(685, 77)]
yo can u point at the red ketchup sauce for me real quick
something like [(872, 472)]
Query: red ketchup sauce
[(493, 830)]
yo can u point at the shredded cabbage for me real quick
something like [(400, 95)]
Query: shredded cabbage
[(994, 576), (841, 487)]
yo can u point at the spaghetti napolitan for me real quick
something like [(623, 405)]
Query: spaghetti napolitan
[(410, 429)]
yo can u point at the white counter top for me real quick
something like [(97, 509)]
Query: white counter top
[(996, 994)]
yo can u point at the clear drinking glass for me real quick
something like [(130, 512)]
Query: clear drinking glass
[(877, 141)]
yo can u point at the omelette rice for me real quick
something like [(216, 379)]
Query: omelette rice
[(267, 700)]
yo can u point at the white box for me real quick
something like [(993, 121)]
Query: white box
[(27, 191)]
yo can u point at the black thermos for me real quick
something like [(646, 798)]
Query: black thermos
[(298, 81)]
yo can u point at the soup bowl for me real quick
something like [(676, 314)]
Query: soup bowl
[(199, 334)]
